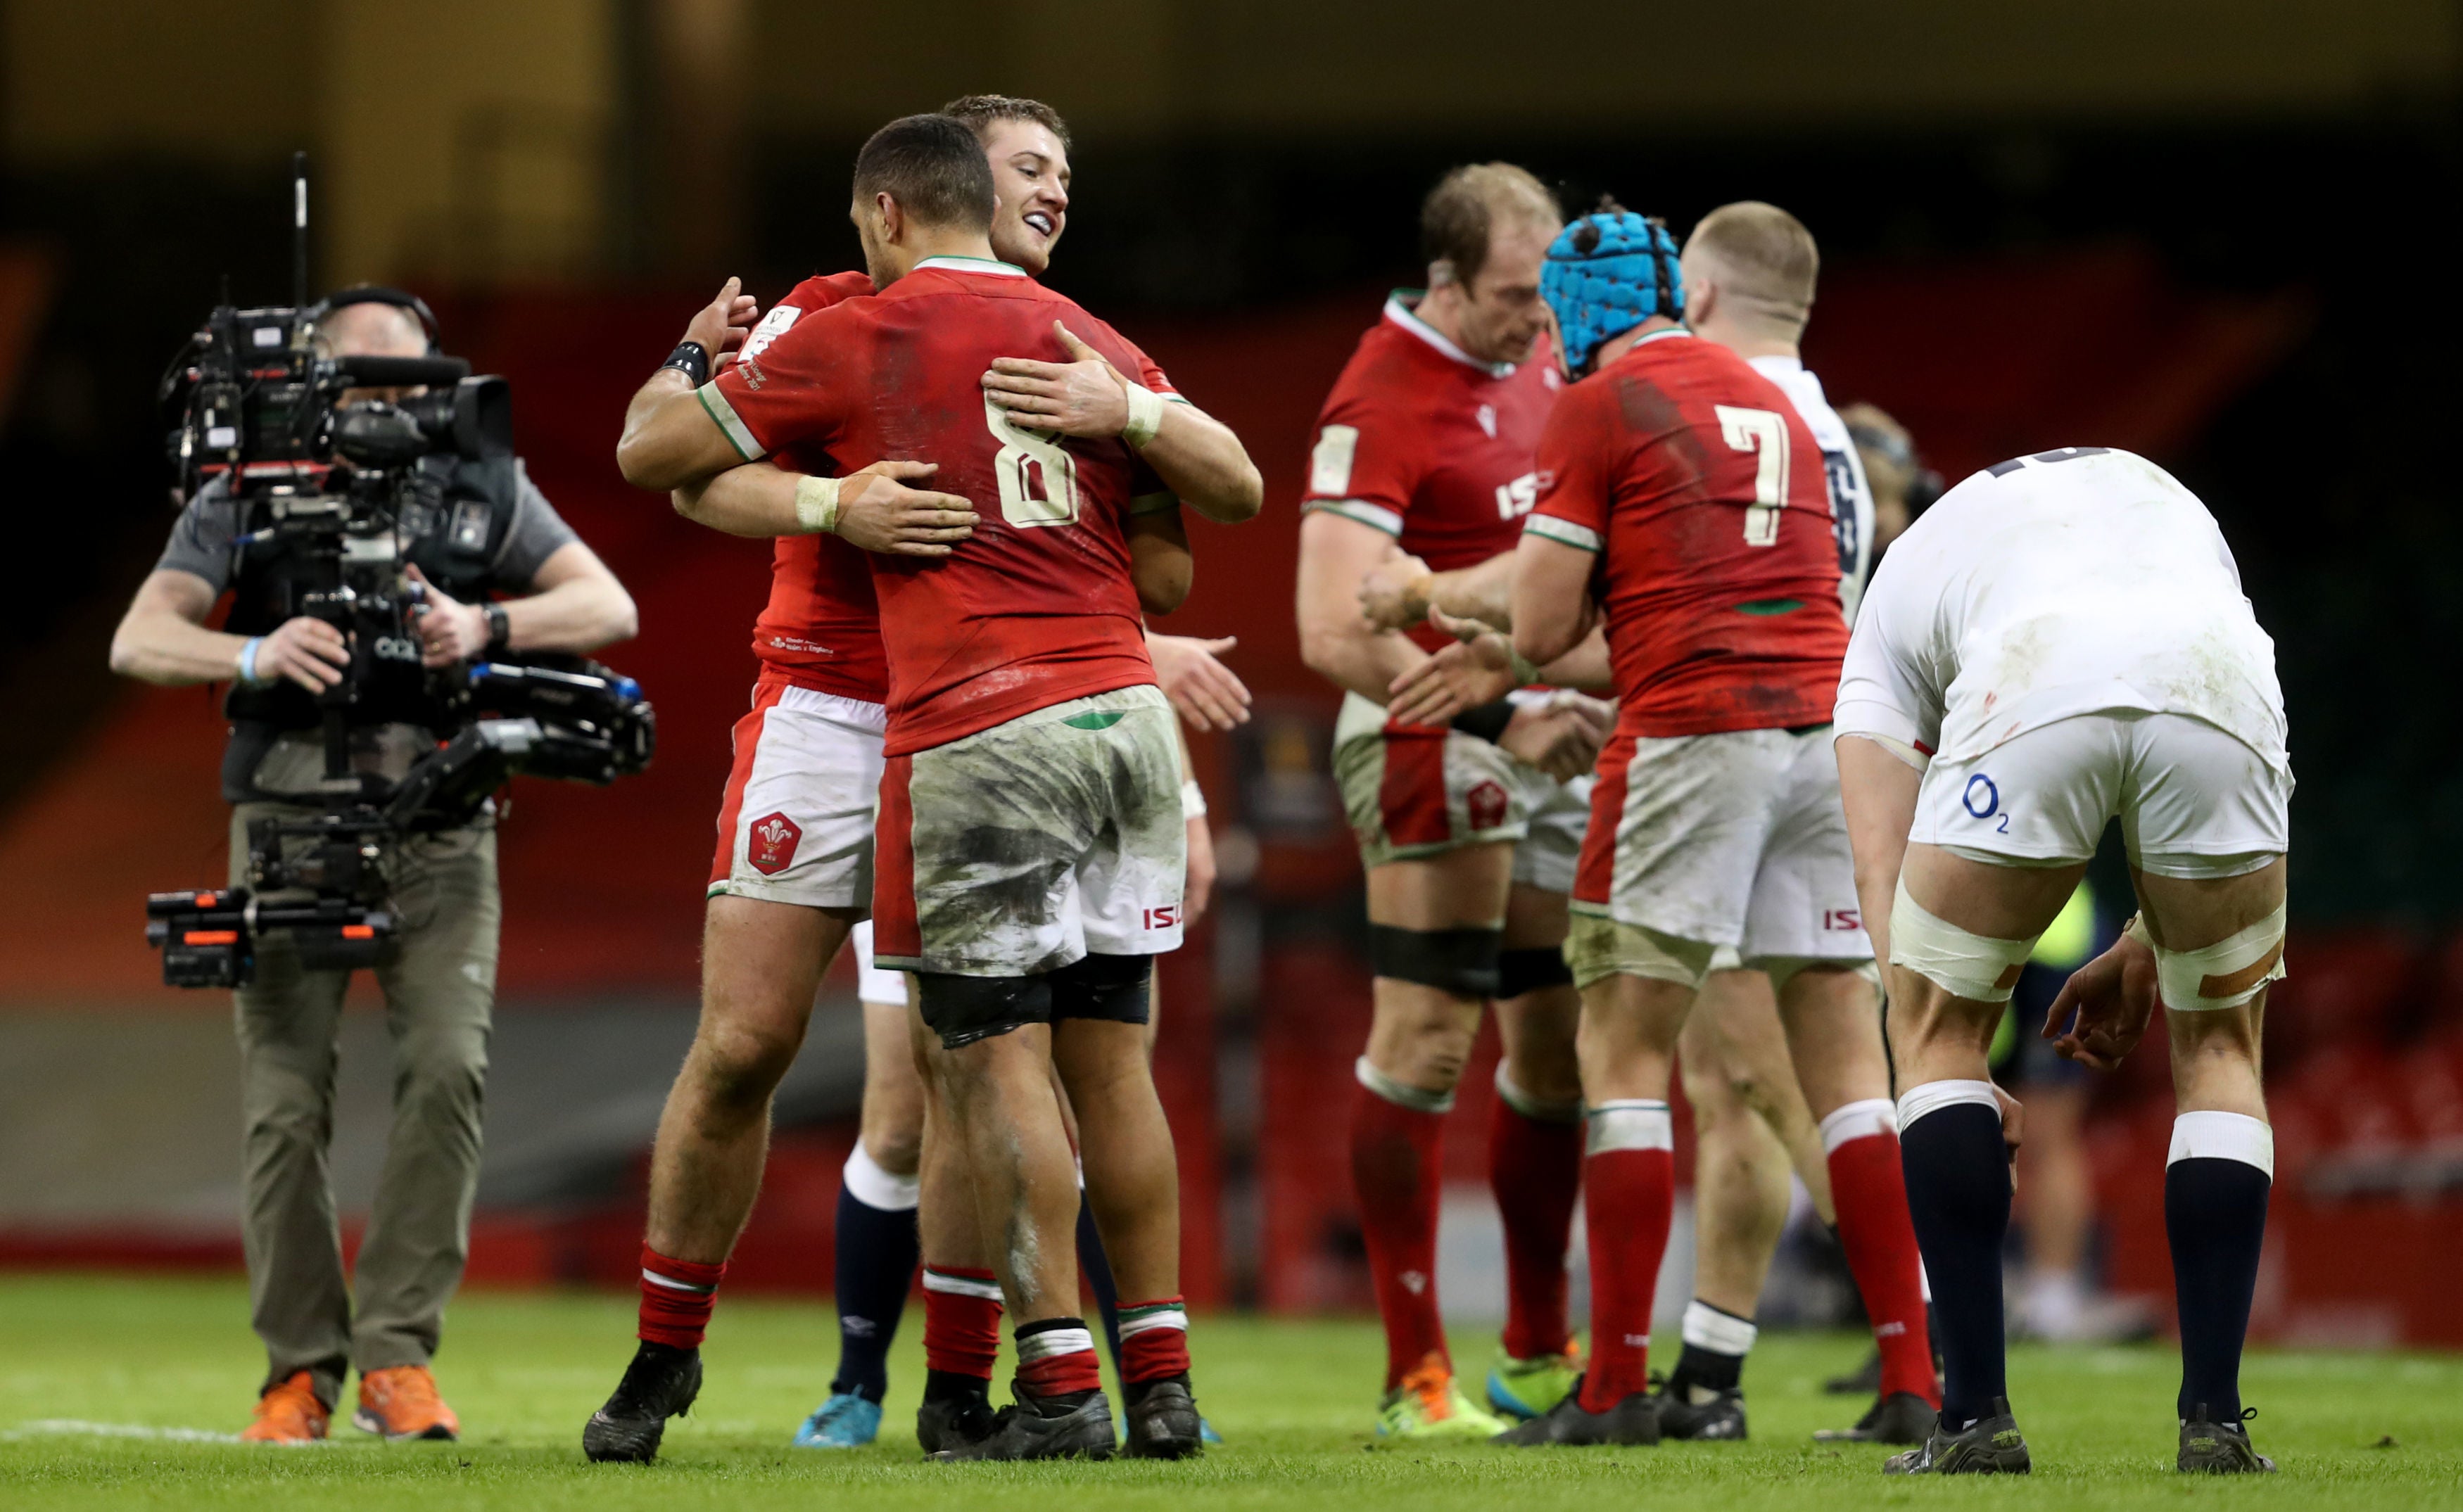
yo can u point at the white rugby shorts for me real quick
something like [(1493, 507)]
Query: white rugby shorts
[(2194, 801), (796, 824), (1732, 839), (874, 983)]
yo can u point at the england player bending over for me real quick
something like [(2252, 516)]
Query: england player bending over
[(2063, 639)]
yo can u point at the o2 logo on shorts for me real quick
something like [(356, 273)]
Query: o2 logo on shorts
[(770, 845), (1167, 916), (1485, 805), (1982, 800)]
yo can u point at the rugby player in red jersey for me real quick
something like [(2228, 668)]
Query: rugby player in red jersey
[(1031, 806), (1469, 834), (808, 759), (1682, 502)]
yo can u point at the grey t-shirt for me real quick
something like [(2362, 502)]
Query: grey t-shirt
[(201, 540), (202, 544)]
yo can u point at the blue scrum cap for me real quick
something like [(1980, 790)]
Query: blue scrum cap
[(1606, 274)]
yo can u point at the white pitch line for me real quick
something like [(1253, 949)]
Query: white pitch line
[(74, 1428)]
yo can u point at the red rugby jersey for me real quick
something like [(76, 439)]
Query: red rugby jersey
[(1430, 445), (822, 627), (1036, 608), (1704, 494)]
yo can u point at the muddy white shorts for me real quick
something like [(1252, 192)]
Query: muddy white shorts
[(873, 982), (796, 824), (2194, 801), (1413, 792), (1019, 849), (1734, 839)]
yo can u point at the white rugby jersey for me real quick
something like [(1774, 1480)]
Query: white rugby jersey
[(2069, 582), (1851, 498)]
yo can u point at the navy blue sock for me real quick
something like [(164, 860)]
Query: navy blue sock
[(874, 1266), (2214, 1212), (1958, 1194), (1097, 1266)]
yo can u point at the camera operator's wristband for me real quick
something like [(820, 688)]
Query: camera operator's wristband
[(1192, 799), (248, 662), (691, 360), (1145, 415), (816, 506), (500, 627)]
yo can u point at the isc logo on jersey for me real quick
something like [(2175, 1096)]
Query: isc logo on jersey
[(1513, 500)]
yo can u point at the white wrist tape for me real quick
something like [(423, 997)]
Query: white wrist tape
[(1192, 799), (1963, 964), (1145, 415), (2226, 974), (816, 506)]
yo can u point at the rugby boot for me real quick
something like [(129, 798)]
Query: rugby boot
[(1989, 1446), (1902, 1417), (661, 1383), (2211, 1448), (401, 1403), (953, 1421), (1866, 1378), (1073, 1426), (845, 1422), (1164, 1423), (1703, 1413), (1634, 1420), (289, 1413), (1521, 1389), (1428, 1406)]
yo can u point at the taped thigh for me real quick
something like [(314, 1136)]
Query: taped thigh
[(1961, 964), (965, 1009), (1461, 962), (2223, 975), (1113, 989)]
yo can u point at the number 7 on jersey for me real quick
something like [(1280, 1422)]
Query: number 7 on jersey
[(1764, 434)]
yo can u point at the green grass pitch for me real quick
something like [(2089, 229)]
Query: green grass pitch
[(2381, 1431)]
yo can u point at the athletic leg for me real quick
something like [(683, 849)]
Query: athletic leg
[(1535, 1134)]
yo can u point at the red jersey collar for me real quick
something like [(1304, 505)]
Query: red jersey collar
[(1405, 316)]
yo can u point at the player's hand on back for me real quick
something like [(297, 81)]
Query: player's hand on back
[(1085, 396), (2114, 998), (721, 324), (1394, 595), (1459, 677), (1561, 741), (879, 512), (1207, 694)]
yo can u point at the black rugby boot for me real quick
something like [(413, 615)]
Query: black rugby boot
[(1991, 1446), (1702, 1414), (2209, 1448), (1077, 1426), (1634, 1420), (661, 1383), (1902, 1417), (1163, 1423)]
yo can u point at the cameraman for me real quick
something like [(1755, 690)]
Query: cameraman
[(491, 533)]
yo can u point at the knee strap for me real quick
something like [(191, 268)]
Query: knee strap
[(1521, 971), (2223, 975), (1461, 962), (1102, 986), (1963, 964), (965, 1009)]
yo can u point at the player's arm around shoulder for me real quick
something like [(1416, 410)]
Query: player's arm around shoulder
[(882, 507), (670, 439), (1196, 456)]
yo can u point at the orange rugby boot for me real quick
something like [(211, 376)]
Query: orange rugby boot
[(289, 1413), (401, 1402)]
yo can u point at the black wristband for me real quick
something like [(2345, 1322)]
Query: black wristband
[(1488, 722), (691, 360), (500, 627)]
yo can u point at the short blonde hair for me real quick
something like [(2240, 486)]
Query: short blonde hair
[(1770, 259), (1458, 219)]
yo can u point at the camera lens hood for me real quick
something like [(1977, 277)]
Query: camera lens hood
[(374, 372)]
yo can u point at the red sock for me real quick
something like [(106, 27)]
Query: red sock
[(962, 1320), (1154, 1340), (1534, 1167), (1395, 1173), (1056, 1356), (1869, 1188), (1629, 1198), (677, 1296)]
